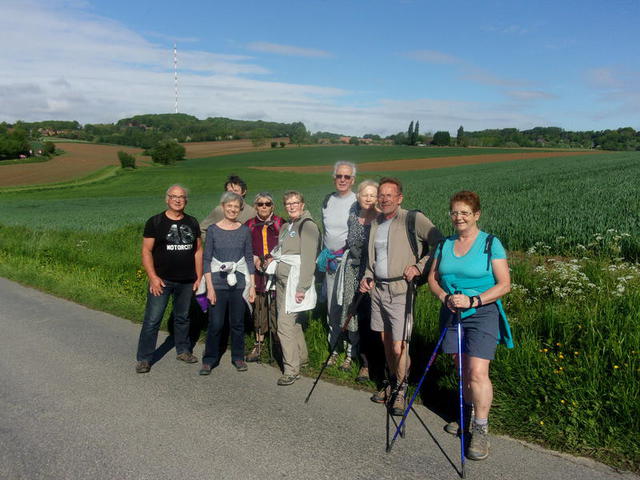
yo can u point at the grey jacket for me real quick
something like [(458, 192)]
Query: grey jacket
[(305, 245), (400, 254)]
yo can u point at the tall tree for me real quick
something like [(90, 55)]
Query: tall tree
[(410, 133), (416, 132), (460, 136)]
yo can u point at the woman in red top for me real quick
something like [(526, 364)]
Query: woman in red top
[(264, 227)]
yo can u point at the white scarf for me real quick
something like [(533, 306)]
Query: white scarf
[(231, 268), (310, 297)]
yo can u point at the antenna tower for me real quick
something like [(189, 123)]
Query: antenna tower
[(175, 74)]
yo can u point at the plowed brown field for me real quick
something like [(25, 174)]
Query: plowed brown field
[(428, 163), (79, 160), (216, 149)]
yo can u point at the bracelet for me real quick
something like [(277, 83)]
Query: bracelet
[(479, 300), (471, 302)]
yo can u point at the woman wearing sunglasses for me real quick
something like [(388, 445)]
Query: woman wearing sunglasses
[(265, 227)]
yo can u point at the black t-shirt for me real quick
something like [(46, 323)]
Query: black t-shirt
[(174, 247)]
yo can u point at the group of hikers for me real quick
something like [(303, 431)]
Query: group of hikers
[(372, 254)]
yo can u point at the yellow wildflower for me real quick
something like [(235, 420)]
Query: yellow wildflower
[(615, 367)]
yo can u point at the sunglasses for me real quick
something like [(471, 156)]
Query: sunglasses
[(264, 204), (345, 177)]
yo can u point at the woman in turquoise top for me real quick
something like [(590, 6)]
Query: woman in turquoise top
[(471, 274)]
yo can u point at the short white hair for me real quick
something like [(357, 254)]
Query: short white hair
[(231, 197), (181, 187), (367, 183), (343, 163)]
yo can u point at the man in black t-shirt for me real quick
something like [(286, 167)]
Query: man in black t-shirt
[(172, 258)]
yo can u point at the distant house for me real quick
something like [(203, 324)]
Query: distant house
[(345, 139), (366, 141), (324, 141)]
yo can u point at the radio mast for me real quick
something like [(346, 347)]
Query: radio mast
[(175, 74)]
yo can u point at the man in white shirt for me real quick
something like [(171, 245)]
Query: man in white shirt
[(335, 213)]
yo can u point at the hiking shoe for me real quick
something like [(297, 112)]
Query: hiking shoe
[(478, 448), (346, 365), (254, 354), (205, 369), (240, 365), (187, 357), (143, 367), (363, 375), (383, 394), (397, 401), (333, 359), (285, 380), (453, 427)]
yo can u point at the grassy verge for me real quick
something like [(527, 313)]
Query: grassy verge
[(572, 383)]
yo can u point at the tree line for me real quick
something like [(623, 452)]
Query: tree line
[(620, 139), (147, 131)]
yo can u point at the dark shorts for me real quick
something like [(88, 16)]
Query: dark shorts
[(480, 332)]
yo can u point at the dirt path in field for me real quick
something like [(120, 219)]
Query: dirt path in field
[(429, 163), (79, 160)]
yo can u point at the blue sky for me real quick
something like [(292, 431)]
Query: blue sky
[(350, 67)]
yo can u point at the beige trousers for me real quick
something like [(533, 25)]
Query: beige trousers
[(290, 333)]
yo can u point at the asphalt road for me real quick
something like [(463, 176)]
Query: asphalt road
[(72, 407)]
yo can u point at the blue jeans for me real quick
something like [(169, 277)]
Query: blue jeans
[(232, 300), (153, 313)]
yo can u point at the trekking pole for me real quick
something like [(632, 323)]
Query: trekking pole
[(353, 308), (268, 287), (460, 385), (411, 292), (417, 390), (260, 345)]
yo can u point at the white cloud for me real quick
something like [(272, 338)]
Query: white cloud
[(467, 70), (617, 92), (527, 95), (288, 50), (77, 66), (433, 56), (507, 29), (604, 78)]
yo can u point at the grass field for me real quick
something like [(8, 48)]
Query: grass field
[(571, 225)]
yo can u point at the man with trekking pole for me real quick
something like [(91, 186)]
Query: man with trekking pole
[(395, 263)]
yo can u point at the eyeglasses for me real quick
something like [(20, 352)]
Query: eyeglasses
[(345, 177), (387, 196), (369, 195), (463, 214), (177, 197), (291, 204), (264, 204)]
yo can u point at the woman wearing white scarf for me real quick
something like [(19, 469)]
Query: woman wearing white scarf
[(295, 290), (228, 272)]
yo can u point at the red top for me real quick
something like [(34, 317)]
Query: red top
[(264, 237)]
